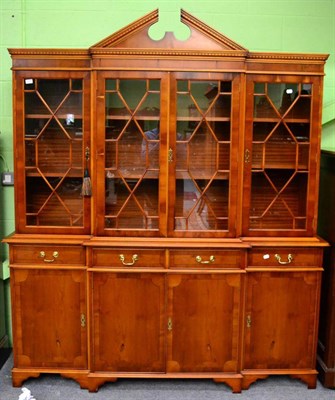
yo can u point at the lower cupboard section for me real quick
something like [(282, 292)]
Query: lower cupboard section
[(174, 323), (231, 325), (49, 318), (281, 314)]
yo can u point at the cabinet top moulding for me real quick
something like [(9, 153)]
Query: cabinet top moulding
[(124, 48)]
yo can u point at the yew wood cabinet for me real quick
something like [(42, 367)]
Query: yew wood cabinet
[(166, 204)]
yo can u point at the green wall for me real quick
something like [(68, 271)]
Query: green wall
[(259, 25)]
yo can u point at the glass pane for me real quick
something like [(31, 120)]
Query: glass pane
[(278, 200), (202, 155), (131, 204), (76, 84), (53, 91), (132, 153), (71, 109), (34, 104), (149, 106), (201, 205), (275, 100), (53, 202), (54, 148)]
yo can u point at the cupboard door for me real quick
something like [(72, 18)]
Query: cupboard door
[(203, 154), (281, 320), (52, 132), (203, 322), (128, 332), (281, 155), (131, 144), (49, 318)]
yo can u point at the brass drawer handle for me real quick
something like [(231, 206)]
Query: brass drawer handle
[(201, 261), (134, 258), (289, 259), (55, 254)]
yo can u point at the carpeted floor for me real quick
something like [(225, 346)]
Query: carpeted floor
[(53, 387)]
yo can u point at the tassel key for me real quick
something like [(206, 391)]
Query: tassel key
[(86, 189)]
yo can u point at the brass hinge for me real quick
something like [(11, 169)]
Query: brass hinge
[(247, 156), (170, 155), (169, 325), (82, 320), (87, 153), (248, 321)]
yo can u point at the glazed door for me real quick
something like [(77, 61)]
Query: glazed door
[(281, 156), (49, 318), (128, 317), (281, 320), (131, 153), (52, 128), (203, 154), (203, 322)]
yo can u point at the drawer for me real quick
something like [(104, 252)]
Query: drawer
[(47, 254), (127, 258), (193, 258), (285, 257)]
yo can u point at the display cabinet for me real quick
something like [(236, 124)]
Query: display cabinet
[(166, 204)]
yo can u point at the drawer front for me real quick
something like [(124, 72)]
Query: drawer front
[(285, 257), (193, 258), (47, 254), (128, 258)]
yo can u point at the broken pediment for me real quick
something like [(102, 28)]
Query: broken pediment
[(136, 36)]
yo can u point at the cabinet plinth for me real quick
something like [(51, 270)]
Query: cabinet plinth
[(166, 195)]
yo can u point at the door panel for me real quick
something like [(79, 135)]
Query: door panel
[(280, 189), (203, 154), (281, 315), (54, 119), (130, 146), (203, 322), (128, 312), (49, 318)]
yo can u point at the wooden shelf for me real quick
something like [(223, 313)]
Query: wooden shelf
[(56, 174), (205, 118), (63, 115), (132, 117), (299, 120)]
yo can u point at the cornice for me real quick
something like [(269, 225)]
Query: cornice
[(308, 57), (96, 52), (167, 53), (49, 52)]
